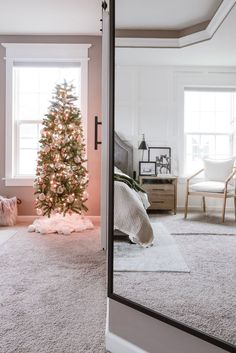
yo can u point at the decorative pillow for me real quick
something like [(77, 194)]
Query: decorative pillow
[(8, 211), (218, 169)]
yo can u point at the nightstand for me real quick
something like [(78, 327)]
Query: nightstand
[(161, 191)]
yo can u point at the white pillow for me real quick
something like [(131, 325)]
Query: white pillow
[(218, 169)]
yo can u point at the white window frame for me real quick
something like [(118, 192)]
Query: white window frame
[(230, 134), (40, 53)]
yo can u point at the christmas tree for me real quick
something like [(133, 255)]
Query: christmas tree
[(61, 176)]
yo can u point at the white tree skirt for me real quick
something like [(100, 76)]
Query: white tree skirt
[(60, 224)]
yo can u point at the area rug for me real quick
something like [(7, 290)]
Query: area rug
[(6, 234), (163, 256)]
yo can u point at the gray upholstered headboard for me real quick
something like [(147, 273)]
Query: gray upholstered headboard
[(123, 158)]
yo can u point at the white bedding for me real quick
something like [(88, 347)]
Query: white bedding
[(130, 215)]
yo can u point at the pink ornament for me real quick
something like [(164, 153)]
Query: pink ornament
[(70, 198), (39, 212), (77, 160), (42, 196), (47, 149), (60, 189)]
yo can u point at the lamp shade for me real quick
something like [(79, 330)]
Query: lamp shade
[(143, 145)]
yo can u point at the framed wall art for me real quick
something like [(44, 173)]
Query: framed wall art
[(162, 157), (147, 168)]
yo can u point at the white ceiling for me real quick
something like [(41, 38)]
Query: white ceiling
[(163, 14), (83, 16), (50, 17), (220, 50)]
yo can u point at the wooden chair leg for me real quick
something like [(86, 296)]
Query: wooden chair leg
[(224, 206), (204, 203), (186, 205)]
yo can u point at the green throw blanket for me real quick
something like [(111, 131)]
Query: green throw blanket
[(129, 181)]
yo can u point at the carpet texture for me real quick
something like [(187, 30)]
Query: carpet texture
[(163, 256), (53, 296), (203, 298), (197, 223), (5, 235)]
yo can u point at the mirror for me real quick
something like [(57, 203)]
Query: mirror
[(174, 234)]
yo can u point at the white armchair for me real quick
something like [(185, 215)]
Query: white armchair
[(219, 183)]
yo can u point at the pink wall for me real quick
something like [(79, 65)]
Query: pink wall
[(94, 108)]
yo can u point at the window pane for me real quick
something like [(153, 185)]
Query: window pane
[(44, 102), (28, 106), (29, 143), (208, 111), (48, 79), (28, 130), (33, 87), (32, 93), (223, 121), (208, 126), (26, 79), (223, 148), (223, 101), (206, 121), (199, 147), (27, 161), (207, 101)]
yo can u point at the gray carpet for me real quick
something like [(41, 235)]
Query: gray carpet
[(53, 296), (203, 298), (5, 235), (197, 223)]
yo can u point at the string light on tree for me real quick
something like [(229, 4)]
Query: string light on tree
[(61, 176)]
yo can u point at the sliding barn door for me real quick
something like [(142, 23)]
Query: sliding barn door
[(105, 125)]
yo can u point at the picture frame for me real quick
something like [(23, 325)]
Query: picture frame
[(147, 168), (162, 157)]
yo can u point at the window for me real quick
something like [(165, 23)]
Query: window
[(32, 91), (209, 125), (32, 71)]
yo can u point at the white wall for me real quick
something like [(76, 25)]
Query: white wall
[(149, 100)]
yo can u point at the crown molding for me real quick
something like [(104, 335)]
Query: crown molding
[(171, 38)]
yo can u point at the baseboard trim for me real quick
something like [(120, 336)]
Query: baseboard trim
[(96, 220), (116, 344), (26, 219)]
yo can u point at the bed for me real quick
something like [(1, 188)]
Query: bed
[(130, 216)]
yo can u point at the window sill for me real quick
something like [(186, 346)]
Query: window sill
[(19, 182)]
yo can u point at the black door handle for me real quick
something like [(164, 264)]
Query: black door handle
[(96, 142)]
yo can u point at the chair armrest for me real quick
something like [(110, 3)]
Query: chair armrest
[(194, 175), (230, 177)]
